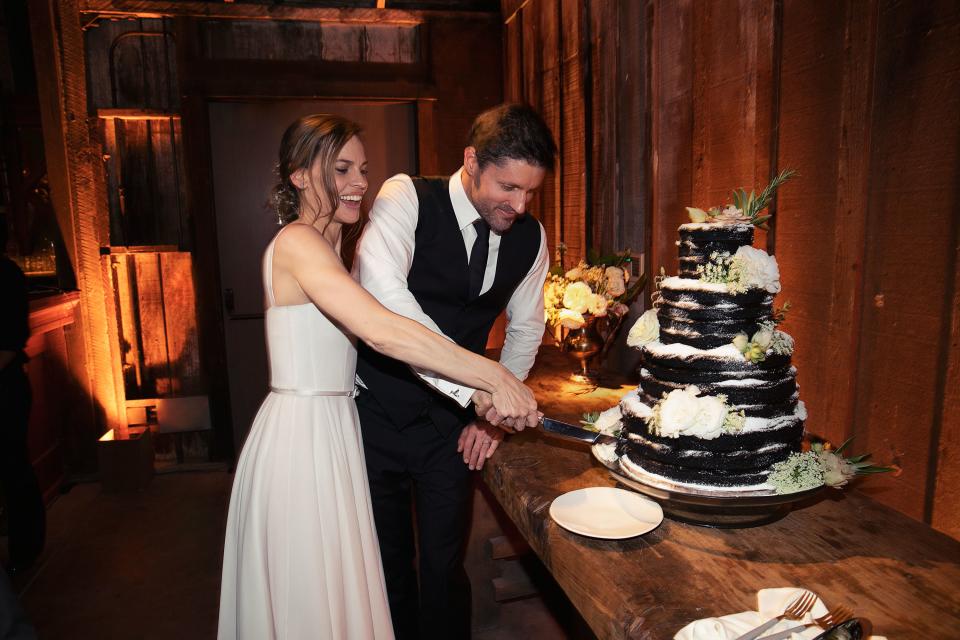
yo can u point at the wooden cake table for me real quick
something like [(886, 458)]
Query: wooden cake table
[(897, 572)]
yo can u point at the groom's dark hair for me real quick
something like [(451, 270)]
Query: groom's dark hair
[(513, 131)]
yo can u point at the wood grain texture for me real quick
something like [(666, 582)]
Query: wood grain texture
[(895, 571), (914, 152), (672, 121)]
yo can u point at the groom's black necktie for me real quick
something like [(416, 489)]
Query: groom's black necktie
[(478, 257)]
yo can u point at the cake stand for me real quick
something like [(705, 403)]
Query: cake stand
[(710, 507)]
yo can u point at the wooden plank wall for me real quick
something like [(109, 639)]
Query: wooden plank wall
[(861, 97), (156, 314), (583, 66)]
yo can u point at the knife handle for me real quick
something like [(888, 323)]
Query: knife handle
[(755, 633)]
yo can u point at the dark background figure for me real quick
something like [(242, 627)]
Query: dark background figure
[(13, 622), (26, 517)]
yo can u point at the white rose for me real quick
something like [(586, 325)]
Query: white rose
[(577, 297), (615, 283), (708, 424), (763, 338), (760, 269), (836, 470), (609, 421), (645, 330), (574, 274), (678, 411), (597, 305), (570, 319)]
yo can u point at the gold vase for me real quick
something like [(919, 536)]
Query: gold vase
[(583, 344)]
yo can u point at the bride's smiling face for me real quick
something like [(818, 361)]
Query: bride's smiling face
[(349, 179)]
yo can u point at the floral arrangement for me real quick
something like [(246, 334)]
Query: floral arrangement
[(746, 208), (767, 339), (599, 287), (748, 268), (820, 465)]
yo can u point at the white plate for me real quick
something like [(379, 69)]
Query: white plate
[(606, 512)]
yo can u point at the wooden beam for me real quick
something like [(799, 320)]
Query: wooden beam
[(78, 192), (236, 11)]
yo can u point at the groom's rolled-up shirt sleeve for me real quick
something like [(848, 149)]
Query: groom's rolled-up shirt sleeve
[(384, 258), (525, 316)]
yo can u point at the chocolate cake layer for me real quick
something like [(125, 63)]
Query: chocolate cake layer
[(698, 242), (707, 477), (764, 392)]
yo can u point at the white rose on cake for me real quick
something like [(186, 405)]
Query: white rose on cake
[(678, 411), (645, 330), (609, 421), (759, 269), (577, 297), (708, 424), (684, 413)]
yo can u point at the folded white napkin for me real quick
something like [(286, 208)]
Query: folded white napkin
[(770, 603)]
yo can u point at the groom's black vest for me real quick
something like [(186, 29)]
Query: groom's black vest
[(439, 281)]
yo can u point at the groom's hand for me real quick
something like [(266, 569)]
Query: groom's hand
[(477, 442), (483, 405)]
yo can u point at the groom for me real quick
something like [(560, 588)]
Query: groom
[(451, 253)]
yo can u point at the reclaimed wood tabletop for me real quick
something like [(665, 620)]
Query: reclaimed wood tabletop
[(896, 572)]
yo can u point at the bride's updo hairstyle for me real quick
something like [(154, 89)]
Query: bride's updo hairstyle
[(314, 138)]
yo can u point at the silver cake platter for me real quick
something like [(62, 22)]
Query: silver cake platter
[(708, 507)]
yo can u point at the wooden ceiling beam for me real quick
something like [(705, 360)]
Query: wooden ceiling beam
[(235, 11)]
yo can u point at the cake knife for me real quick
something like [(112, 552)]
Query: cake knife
[(572, 432)]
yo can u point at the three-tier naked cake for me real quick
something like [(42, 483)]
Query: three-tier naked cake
[(718, 400)]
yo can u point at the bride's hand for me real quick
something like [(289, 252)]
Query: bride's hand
[(514, 400)]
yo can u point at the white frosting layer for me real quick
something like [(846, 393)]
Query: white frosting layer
[(678, 350), (711, 226), (689, 284)]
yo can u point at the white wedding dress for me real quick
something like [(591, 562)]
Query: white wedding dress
[(301, 558)]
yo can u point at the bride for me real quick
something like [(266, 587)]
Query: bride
[(301, 558)]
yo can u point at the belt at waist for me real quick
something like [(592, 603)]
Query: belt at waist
[(313, 392)]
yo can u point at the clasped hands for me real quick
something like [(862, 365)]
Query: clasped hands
[(480, 438)]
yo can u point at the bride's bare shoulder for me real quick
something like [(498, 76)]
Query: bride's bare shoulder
[(299, 240)]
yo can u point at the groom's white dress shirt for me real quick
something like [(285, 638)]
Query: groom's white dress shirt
[(385, 256)]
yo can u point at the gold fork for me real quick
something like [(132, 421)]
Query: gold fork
[(794, 611), (833, 617)]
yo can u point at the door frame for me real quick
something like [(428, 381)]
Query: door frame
[(300, 82)]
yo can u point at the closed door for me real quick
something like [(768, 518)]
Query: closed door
[(244, 140)]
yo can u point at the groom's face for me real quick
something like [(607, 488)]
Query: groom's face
[(500, 192)]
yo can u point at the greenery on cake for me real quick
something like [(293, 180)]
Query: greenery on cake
[(746, 207), (820, 465)]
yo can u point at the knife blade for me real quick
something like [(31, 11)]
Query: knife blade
[(573, 432)]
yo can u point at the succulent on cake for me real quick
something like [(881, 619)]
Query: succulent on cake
[(820, 465), (768, 339), (746, 208)]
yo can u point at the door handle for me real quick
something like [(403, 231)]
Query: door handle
[(228, 300)]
